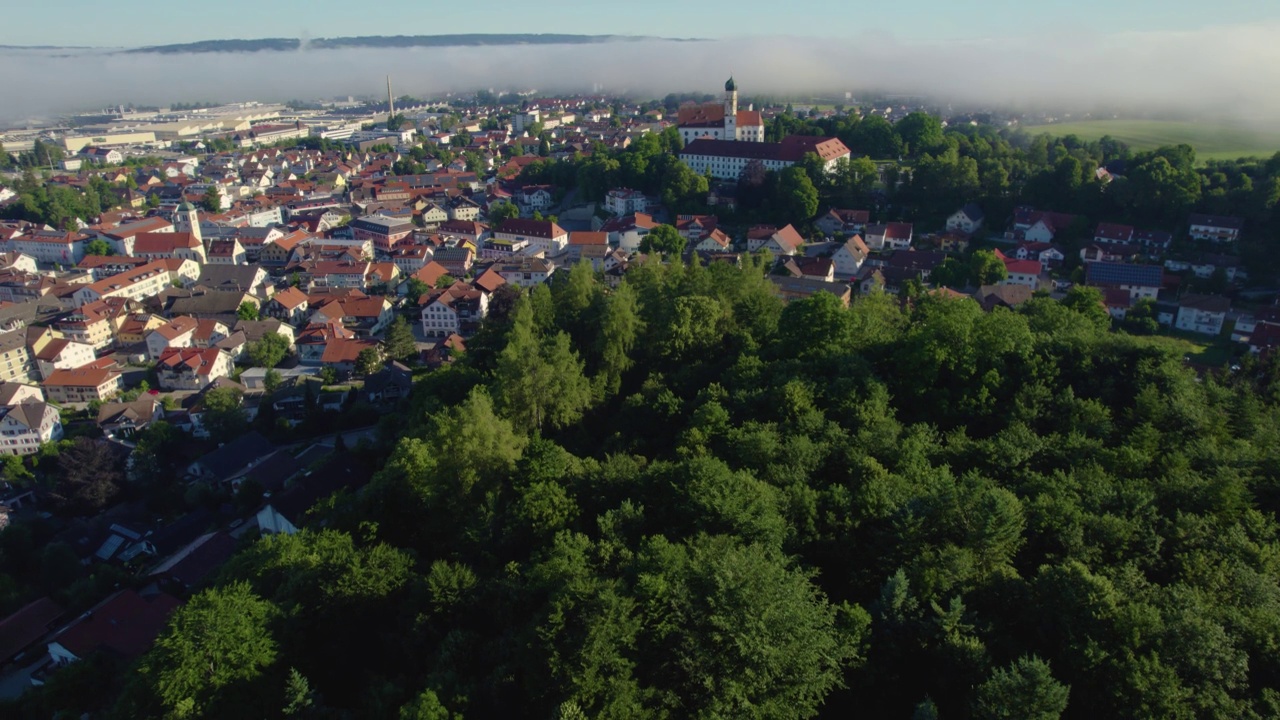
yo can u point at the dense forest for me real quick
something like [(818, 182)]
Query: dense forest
[(680, 498)]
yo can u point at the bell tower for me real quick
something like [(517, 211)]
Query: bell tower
[(730, 110), (186, 217)]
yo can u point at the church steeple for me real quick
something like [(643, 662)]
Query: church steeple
[(730, 110)]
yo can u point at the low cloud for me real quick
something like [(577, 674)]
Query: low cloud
[(1221, 71)]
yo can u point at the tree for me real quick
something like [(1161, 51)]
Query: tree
[(986, 268), (797, 195), (269, 350), (1025, 690), (426, 706), (271, 381), (211, 202), (298, 695), (368, 362), (503, 212), (88, 477), (219, 640), (247, 311), (224, 416), (98, 246), (741, 632), (540, 381), (399, 343), (663, 239), (619, 328)]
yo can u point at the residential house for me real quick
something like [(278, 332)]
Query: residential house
[(464, 209), (849, 256), (433, 216), (1048, 254), (16, 362), (579, 241), (341, 354), (626, 232), (410, 258), (364, 316), (810, 268), (26, 426), (456, 309), (889, 236), (1215, 228), (526, 272), (624, 201), (784, 241), (234, 278), (227, 252), (540, 234), (1022, 272), (967, 219), (1140, 281), (124, 626), (289, 305), (1113, 234), (82, 385), (124, 420), (457, 261), (1204, 314), (1155, 241), (192, 368), (839, 221), (231, 459), (177, 333), (1005, 295), (63, 354)]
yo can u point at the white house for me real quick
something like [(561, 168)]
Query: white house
[(1215, 228), (540, 234), (624, 201), (967, 219), (26, 426), (889, 236), (1202, 313), (850, 256), (451, 310)]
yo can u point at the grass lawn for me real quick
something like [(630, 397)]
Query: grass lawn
[(1200, 349), (1212, 141)]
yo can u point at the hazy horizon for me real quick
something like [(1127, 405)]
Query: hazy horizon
[(1150, 72)]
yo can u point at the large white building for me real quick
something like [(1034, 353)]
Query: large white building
[(721, 121), (726, 160)]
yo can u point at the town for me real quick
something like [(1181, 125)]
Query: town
[(208, 313)]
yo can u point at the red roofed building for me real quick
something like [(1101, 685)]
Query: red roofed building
[(1022, 272), (721, 121), (158, 245), (541, 234), (125, 625), (192, 368)]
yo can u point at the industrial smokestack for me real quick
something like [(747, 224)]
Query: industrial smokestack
[(391, 104)]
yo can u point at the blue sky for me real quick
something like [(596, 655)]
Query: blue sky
[(145, 22)]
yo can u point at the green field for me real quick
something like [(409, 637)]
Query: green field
[(1212, 141)]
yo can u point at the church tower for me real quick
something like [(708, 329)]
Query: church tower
[(730, 110), (187, 219)]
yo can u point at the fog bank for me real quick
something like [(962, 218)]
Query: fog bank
[(1228, 71)]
